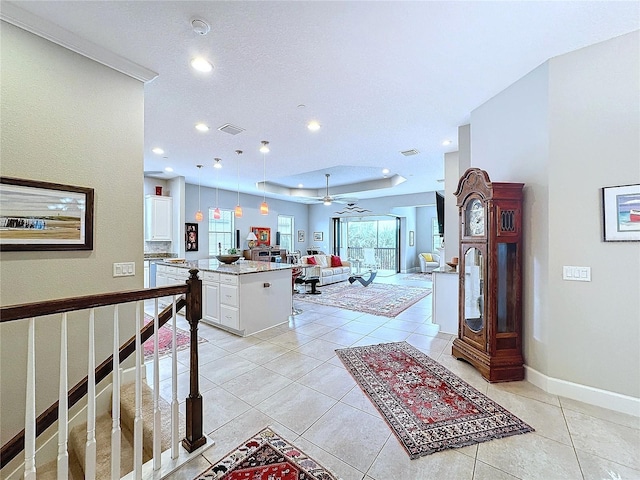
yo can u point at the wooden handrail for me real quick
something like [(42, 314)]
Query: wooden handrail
[(193, 291)]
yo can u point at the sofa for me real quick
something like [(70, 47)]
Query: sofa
[(428, 262), (324, 270)]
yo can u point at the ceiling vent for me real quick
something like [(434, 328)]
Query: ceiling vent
[(231, 129), (408, 153)]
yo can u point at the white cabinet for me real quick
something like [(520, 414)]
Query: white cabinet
[(157, 218), (445, 301), (211, 297), (146, 274)]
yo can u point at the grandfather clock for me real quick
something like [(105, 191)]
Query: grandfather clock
[(490, 276)]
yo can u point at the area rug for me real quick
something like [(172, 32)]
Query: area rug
[(165, 337), (428, 407), (378, 298), (418, 276), (266, 456)]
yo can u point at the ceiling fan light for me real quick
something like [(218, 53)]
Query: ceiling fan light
[(327, 201), (238, 211), (264, 208)]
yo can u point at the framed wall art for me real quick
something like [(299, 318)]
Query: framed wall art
[(263, 235), (300, 236), (317, 236), (411, 238), (38, 215), (191, 237), (621, 213)]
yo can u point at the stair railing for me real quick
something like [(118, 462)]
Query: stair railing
[(190, 297)]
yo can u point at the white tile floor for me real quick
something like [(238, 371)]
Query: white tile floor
[(289, 377)]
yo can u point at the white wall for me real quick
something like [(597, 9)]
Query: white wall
[(566, 130), (69, 120)]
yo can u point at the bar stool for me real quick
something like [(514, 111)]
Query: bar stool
[(295, 279)]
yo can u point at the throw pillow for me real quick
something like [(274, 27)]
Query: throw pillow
[(336, 261), (322, 260), (311, 261), (427, 257)]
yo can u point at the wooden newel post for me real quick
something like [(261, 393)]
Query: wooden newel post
[(194, 437)]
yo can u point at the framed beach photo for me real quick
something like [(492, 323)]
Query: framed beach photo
[(38, 215), (621, 213), (317, 236)]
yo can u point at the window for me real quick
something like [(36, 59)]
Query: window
[(285, 228), (221, 232), (435, 233)]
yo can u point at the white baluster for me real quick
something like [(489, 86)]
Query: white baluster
[(63, 405), (90, 447), (30, 407), (157, 416), (137, 422), (115, 399), (174, 386)]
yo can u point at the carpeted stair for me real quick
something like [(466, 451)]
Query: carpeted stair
[(78, 437)]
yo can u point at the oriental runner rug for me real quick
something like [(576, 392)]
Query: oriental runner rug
[(378, 298), (428, 407), (165, 337), (266, 456)]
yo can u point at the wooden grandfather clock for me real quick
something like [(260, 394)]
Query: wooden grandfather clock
[(490, 276)]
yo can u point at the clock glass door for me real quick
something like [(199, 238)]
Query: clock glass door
[(474, 290)]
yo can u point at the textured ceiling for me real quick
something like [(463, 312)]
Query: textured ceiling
[(380, 77)]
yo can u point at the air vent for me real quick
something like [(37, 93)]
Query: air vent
[(230, 129), (408, 153)]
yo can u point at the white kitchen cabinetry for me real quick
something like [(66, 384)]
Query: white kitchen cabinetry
[(146, 274), (211, 297), (157, 218)]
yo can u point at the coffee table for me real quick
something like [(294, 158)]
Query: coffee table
[(360, 277)]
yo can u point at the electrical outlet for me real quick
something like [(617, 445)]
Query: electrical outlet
[(124, 269)]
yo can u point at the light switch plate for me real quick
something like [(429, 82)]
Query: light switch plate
[(576, 274), (124, 269)]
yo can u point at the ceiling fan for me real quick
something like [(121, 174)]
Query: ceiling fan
[(328, 199)]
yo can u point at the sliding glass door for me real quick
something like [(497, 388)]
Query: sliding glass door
[(380, 233)]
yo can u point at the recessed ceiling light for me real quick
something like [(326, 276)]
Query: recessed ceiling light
[(446, 142), (202, 127), (168, 169), (201, 65), (300, 185), (385, 171), (313, 125), (158, 151)]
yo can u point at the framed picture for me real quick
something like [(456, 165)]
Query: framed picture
[(263, 235), (317, 236), (300, 236), (38, 215), (411, 238), (191, 237), (621, 213)]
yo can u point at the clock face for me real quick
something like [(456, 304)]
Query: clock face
[(475, 218)]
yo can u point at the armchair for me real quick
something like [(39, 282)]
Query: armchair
[(429, 261)]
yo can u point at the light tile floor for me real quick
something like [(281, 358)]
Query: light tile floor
[(290, 378)]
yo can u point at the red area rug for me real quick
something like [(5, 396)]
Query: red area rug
[(428, 407), (378, 298), (266, 456), (165, 337)]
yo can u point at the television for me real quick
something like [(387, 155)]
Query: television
[(440, 210)]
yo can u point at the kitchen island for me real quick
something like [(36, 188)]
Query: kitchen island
[(243, 298)]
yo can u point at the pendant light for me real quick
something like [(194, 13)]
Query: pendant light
[(264, 208), (216, 212), (238, 210), (199, 215)]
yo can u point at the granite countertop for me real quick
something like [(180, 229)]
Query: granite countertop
[(238, 268), (154, 255)]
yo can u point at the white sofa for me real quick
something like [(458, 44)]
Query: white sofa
[(426, 265), (324, 271)]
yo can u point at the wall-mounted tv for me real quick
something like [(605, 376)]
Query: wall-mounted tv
[(440, 210)]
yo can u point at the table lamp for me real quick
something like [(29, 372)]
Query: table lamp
[(251, 238)]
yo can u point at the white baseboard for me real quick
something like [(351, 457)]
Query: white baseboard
[(583, 393)]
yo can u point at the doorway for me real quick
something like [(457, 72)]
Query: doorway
[(382, 233)]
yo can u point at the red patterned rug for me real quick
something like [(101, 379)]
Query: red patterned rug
[(266, 456), (428, 407), (378, 298), (165, 337)]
